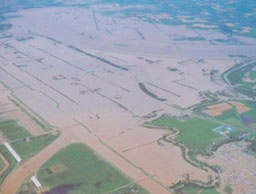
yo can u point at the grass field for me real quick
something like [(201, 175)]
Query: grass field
[(196, 190), (2, 164), (236, 76), (27, 149), (10, 159), (231, 117), (253, 74), (77, 169), (249, 118), (195, 133), (13, 131)]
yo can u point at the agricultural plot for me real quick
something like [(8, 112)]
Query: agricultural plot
[(196, 190), (235, 113), (11, 160), (252, 75), (28, 148), (77, 169), (231, 117), (2, 164), (228, 112), (13, 131), (249, 117), (242, 79), (195, 133)]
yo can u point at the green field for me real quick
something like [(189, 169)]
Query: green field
[(253, 75), (27, 149), (77, 169), (249, 118), (2, 164), (11, 160), (236, 76), (251, 112), (196, 190), (195, 133), (13, 131), (231, 117)]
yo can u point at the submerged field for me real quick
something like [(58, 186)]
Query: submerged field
[(77, 169)]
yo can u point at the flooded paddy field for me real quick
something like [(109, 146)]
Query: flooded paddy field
[(153, 96)]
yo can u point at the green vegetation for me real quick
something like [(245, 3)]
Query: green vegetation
[(78, 169), (231, 117), (236, 78), (190, 39), (13, 131), (241, 123), (195, 187), (252, 105), (249, 117), (228, 189), (252, 74), (144, 89), (252, 147), (28, 148), (195, 133), (209, 191), (2, 164), (196, 190), (27, 188), (11, 160)]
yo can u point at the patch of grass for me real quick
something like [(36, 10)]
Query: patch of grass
[(81, 171), (193, 189), (149, 93), (249, 117), (209, 191), (231, 117), (251, 112), (246, 91), (27, 188), (27, 149), (2, 164), (252, 74), (228, 189), (195, 133), (11, 160), (236, 76), (13, 131)]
